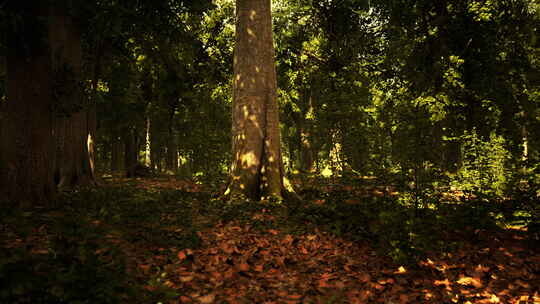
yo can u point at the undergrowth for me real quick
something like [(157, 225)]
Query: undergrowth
[(83, 250)]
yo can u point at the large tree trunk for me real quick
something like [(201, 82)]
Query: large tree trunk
[(257, 169), (26, 142), (91, 130), (72, 125)]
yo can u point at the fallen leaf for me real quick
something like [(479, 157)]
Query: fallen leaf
[(324, 284), (259, 268), (207, 299), (273, 231), (364, 278), (400, 270), (295, 296), (185, 279), (444, 282), (243, 267), (469, 281)]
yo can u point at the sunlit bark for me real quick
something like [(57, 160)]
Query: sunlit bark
[(257, 169), (147, 143), (73, 124)]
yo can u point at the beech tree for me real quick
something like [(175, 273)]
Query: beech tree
[(257, 168)]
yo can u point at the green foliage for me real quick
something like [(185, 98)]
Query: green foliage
[(72, 270), (404, 232), (484, 167), (78, 253)]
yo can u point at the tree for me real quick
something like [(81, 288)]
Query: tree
[(257, 168), (26, 142), (71, 125)]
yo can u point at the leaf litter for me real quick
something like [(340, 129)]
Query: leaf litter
[(236, 262)]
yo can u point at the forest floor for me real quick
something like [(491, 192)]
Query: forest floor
[(164, 240)]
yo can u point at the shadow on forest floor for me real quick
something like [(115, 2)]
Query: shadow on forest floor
[(165, 240)]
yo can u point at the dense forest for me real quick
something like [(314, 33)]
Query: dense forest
[(258, 151)]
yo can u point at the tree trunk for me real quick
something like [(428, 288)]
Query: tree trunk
[(116, 153), (147, 143), (172, 149), (71, 128), (257, 169), (130, 153), (306, 136), (26, 142), (91, 130)]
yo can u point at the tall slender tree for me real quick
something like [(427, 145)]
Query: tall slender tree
[(257, 168)]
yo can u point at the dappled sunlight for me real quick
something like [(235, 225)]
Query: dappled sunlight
[(252, 15), (249, 160), (251, 33), (294, 268), (201, 250)]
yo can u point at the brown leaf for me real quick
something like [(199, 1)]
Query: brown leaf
[(377, 286), (403, 299), (185, 279), (400, 270), (243, 266), (295, 296), (273, 231), (365, 294), (364, 277), (481, 268), (259, 268), (323, 284), (207, 299), (470, 281)]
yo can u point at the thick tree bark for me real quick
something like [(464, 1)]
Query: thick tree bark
[(73, 124), (26, 142), (257, 169)]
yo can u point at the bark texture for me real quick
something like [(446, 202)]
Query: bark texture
[(73, 122), (257, 169), (26, 142)]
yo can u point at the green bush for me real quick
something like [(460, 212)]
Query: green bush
[(484, 165)]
